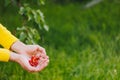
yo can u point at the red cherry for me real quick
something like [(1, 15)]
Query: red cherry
[(34, 61), (31, 63)]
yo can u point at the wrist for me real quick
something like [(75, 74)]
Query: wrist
[(18, 46), (14, 57)]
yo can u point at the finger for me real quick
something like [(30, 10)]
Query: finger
[(42, 60), (44, 56), (39, 54), (41, 49), (42, 66)]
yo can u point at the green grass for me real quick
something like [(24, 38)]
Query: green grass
[(83, 44)]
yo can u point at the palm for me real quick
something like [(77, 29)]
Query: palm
[(24, 62)]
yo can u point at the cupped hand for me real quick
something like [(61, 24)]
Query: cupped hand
[(23, 60), (29, 50), (25, 52)]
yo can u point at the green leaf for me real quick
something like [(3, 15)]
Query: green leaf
[(42, 2), (46, 27), (21, 11), (22, 36)]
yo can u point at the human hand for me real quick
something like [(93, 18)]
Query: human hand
[(29, 50), (23, 60)]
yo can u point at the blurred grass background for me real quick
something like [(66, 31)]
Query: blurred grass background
[(82, 43)]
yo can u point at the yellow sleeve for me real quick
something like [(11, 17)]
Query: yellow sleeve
[(6, 38), (4, 55)]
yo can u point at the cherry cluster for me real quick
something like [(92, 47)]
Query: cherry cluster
[(34, 61)]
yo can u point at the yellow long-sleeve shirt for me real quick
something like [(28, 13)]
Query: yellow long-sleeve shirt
[(6, 40)]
